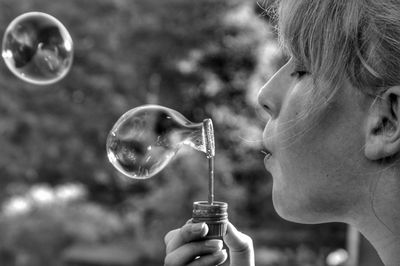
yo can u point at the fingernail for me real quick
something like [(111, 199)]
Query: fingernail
[(224, 252), (214, 243), (221, 255), (197, 227)]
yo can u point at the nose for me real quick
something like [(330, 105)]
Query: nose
[(271, 95)]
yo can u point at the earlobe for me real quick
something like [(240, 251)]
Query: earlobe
[(383, 126)]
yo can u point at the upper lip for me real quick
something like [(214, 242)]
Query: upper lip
[(267, 141), (268, 155), (267, 152)]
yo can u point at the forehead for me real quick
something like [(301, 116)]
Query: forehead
[(312, 32), (292, 23), (337, 39)]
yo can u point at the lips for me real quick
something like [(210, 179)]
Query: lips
[(267, 153), (268, 141)]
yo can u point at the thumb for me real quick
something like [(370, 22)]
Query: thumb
[(240, 247)]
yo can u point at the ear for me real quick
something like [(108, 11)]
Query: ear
[(383, 126)]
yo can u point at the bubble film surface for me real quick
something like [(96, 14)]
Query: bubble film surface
[(145, 139), (37, 48)]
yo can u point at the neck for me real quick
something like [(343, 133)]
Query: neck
[(380, 221), (385, 240)]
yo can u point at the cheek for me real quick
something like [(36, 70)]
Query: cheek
[(297, 116), (318, 139), (317, 153)]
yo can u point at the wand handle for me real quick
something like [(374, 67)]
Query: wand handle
[(211, 180)]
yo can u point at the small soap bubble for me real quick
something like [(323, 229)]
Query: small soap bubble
[(37, 48)]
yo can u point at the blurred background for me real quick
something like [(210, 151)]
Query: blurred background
[(62, 202)]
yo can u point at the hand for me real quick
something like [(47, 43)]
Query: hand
[(241, 250), (187, 246)]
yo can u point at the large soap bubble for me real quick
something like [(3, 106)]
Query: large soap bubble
[(145, 139)]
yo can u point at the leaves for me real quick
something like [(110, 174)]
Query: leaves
[(204, 58)]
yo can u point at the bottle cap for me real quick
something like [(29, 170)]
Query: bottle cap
[(214, 215)]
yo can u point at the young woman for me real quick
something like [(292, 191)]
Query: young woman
[(333, 136)]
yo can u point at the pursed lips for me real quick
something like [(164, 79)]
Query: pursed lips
[(268, 154), (267, 141)]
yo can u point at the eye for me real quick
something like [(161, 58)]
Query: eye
[(299, 73), (299, 70)]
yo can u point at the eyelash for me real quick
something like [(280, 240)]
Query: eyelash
[(299, 71), (299, 74)]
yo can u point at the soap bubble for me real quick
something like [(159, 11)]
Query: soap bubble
[(145, 139), (37, 48)]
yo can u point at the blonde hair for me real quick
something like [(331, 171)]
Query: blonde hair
[(357, 39)]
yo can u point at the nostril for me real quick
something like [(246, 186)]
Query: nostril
[(268, 110), (262, 114), (267, 103)]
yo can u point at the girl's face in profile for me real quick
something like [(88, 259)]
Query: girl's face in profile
[(316, 146)]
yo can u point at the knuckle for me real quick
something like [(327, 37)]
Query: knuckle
[(193, 248), (185, 232), (249, 241), (168, 261), (169, 236), (245, 244), (206, 261), (166, 238), (196, 249), (198, 262)]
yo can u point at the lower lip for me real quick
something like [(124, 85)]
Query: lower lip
[(267, 158)]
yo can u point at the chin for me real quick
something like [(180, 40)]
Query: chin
[(304, 211), (286, 210)]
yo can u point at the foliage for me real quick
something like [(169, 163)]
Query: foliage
[(38, 237), (204, 58)]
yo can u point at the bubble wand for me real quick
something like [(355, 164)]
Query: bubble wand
[(145, 139), (210, 153)]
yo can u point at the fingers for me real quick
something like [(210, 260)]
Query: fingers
[(240, 247), (216, 258), (188, 233), (172, 233), (237, 241), (185, 246), (211, 249)]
